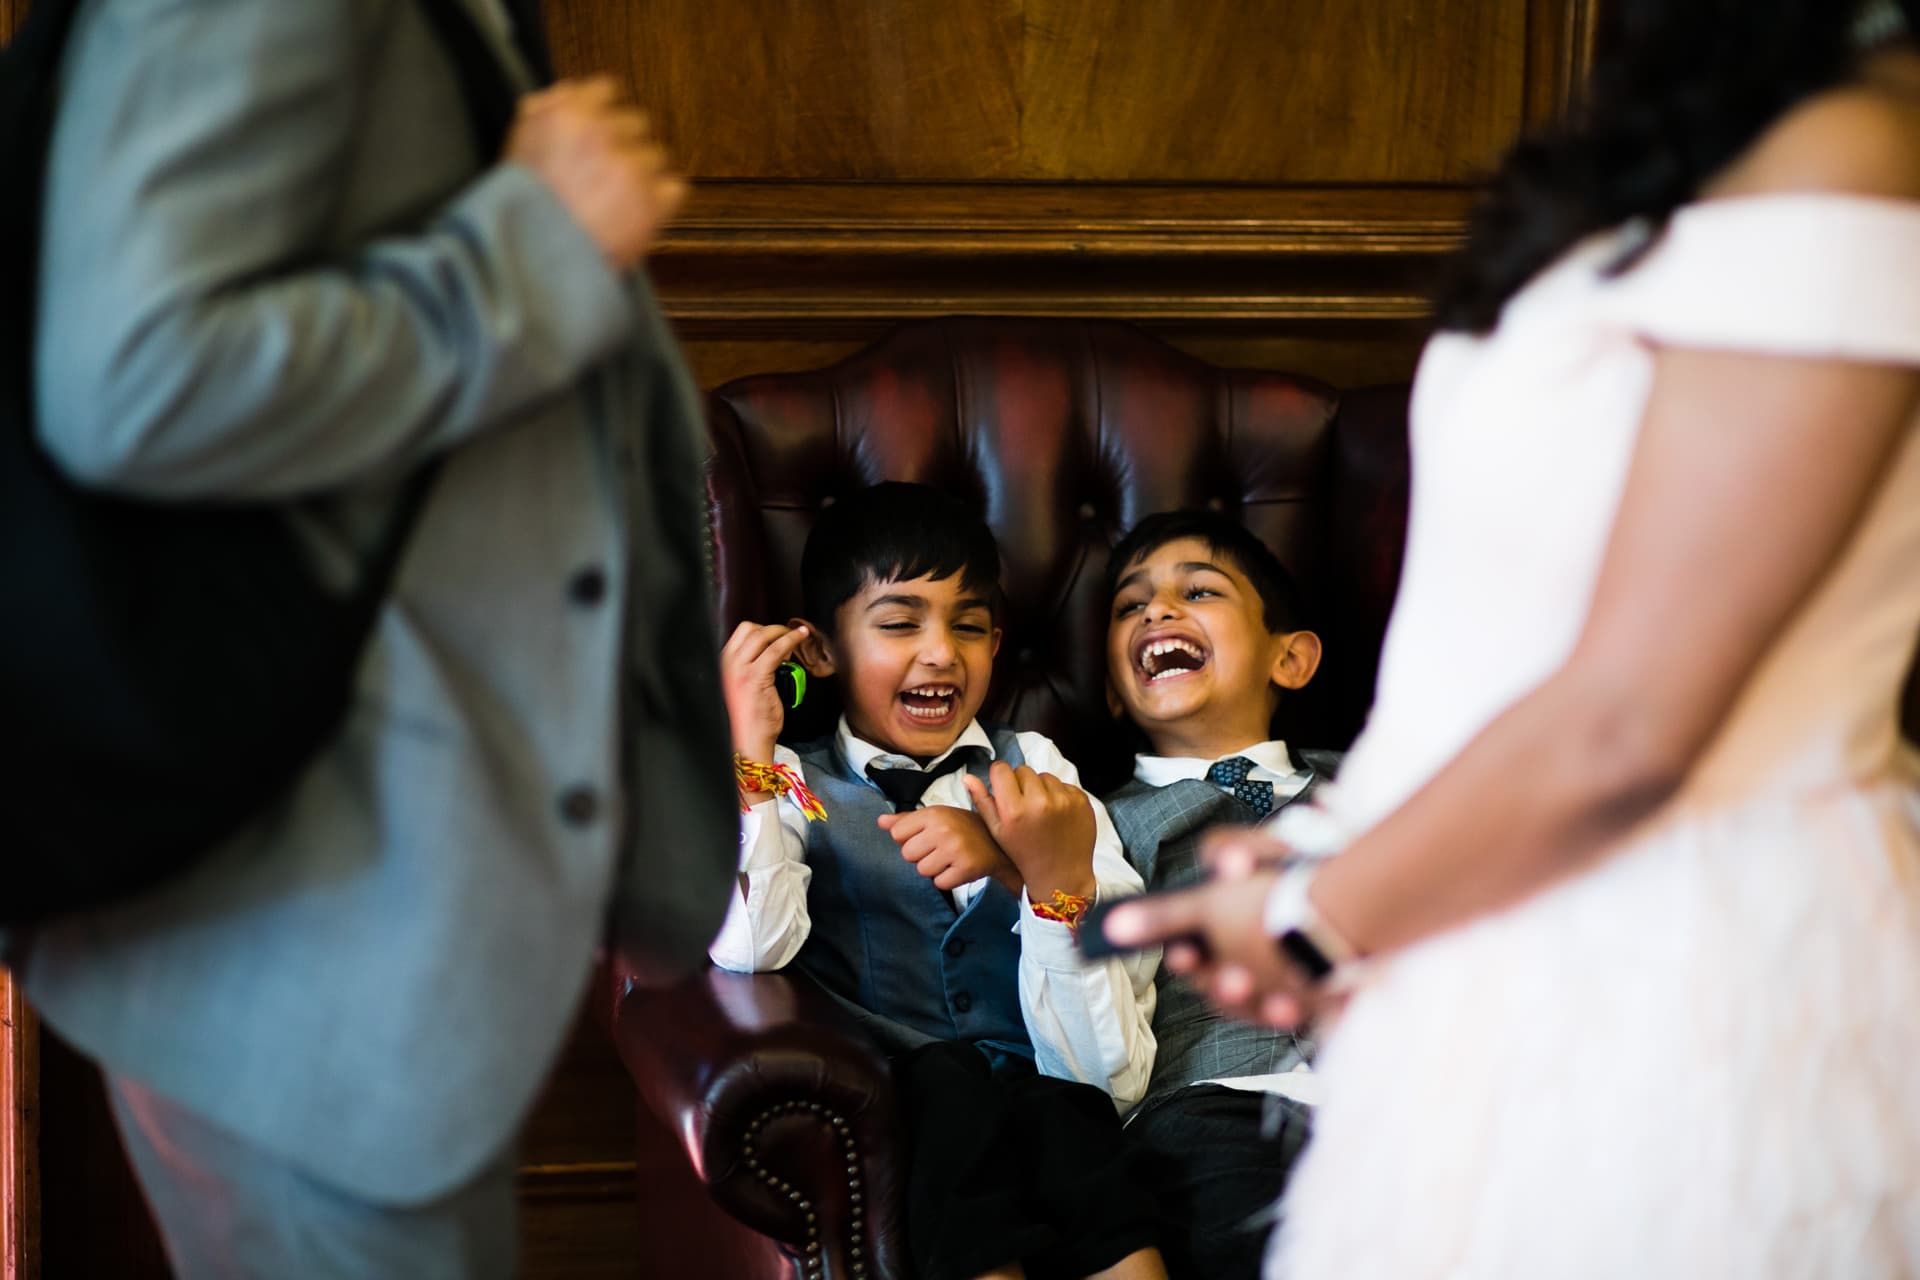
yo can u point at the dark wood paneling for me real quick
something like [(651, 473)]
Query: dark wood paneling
[(11, 11), (577, 1222), (1289, 91), (576, 1183), (94, 1219), (1560, 36), (1273, 178), (1264, 90)]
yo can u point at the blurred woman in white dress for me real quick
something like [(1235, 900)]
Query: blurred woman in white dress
[(1626, 924)]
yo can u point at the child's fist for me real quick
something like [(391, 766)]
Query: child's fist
[(949, 846), (1044, 825), (748, 662)]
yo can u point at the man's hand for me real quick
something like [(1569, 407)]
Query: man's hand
[(1045, 826), (1235, 963), (748, 662), (949, 846), (593, 148)]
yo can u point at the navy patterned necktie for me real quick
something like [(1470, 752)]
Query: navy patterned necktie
[(1231, 773), (905, 786)]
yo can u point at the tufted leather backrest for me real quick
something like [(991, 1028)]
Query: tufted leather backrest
[(1064, 433)]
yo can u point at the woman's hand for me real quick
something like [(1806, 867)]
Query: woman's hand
[(748, 662), (1216, 935)]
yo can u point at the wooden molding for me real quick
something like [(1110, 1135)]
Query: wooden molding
[(1560, 41), (786, 254), (577, 1182), (19, 1135)]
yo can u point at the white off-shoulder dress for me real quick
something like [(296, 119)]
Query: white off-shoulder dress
[(1700, 1058)]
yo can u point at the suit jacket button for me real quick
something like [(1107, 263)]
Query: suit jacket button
[(956, 948), (579, 806), (588, 587), (962, 1002)]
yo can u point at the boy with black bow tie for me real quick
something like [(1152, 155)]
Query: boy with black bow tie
[(929, 873)]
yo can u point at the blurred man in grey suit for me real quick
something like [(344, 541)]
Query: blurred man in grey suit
[(275, 269)]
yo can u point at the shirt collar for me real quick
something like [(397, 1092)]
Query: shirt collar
[(1272, 762), (860, 753)]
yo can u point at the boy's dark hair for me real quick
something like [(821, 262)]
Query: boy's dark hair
[(894, 532), (1280, 605)]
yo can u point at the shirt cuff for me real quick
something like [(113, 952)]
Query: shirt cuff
[(1050, 942)]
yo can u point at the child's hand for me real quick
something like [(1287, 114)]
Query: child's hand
[(1045, 826), (748, 661), (949, 846)]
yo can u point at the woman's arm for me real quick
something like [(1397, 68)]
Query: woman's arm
[(1749, 475)]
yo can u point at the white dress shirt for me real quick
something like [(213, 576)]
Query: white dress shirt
[(1272, 763), (1091, 1022)]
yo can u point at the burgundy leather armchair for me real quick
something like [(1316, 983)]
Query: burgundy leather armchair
[(1065, 433)]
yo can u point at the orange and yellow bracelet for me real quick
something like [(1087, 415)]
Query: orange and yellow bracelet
[(1065, 907), (751, 776)]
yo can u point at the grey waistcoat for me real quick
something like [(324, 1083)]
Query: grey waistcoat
[(890, 944), (1161, 829)]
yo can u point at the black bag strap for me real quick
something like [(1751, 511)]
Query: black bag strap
[(31, 66)]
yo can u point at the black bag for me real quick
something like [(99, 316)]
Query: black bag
[(166, 671)]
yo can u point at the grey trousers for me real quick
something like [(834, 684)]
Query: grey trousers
[(227, 1211)]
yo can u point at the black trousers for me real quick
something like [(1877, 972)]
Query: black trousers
[(1006, 1165), (1216, 1160)]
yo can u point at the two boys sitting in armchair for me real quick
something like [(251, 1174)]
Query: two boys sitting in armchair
[(929, 872)]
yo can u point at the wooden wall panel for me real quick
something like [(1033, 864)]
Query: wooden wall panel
[(1264, 90), (11, 11), (1289, 91), (1277, 179)]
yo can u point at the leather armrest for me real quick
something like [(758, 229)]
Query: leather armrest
[(782, 1103)]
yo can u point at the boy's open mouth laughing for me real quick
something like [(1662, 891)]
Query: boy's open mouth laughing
[(1159, 658), (931, 704)]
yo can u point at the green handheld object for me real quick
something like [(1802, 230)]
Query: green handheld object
[(791, 682)]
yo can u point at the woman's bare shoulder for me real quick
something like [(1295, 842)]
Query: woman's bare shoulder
[(1858, 139)]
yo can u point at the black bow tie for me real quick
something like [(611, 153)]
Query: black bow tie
[(905, 786)]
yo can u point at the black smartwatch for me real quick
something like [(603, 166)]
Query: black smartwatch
[(1309, 943)]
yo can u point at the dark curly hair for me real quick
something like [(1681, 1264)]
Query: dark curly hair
[(1679, 89)]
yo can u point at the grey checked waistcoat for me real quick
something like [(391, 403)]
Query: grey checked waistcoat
[(887, 942), (1161, 829)]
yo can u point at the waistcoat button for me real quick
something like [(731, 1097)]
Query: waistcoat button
[(588, 587), (579, 806)]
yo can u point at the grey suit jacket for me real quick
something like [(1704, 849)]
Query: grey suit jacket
[(275, 269), (1161, 829)]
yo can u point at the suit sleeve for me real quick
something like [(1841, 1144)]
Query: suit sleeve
[(1089, 1021), (199, 338)]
